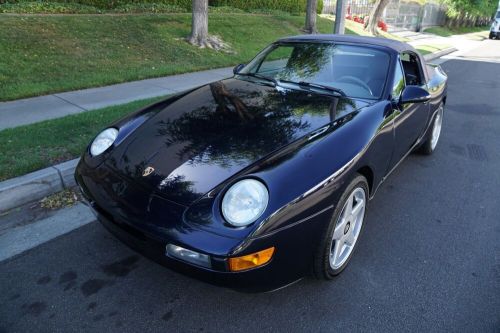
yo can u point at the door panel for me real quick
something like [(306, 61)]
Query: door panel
[(408, 127), (409, 119)]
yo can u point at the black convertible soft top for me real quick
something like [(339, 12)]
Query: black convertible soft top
[(386, 42)]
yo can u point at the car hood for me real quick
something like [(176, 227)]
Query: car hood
[(216, 131)]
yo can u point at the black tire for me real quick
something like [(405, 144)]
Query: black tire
[(321, 264), (492, 35), (427, 148)]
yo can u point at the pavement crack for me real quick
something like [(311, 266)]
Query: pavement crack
[(65, 100)]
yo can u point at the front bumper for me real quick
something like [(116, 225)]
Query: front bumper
[(291, 260)]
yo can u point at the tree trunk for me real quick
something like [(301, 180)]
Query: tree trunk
[(199, 23), (450, 22), (312, 6), (458, 22), (375, 15)]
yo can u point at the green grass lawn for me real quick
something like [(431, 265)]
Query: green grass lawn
[(446, 32), (32, 147), (43, 54)]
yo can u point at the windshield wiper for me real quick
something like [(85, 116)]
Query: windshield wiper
[(322, 86), (262, 77), (317, 86)]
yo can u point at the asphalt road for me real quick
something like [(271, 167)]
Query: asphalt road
[(429, 258)]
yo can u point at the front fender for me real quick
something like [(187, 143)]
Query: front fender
[(314, 178)]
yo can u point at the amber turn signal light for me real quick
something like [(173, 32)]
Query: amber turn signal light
[(251, 260)]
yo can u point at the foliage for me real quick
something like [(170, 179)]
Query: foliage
[(471, 8), (224, 9), (291, 6), (382, 25), (111, 4), (148, 8), (154, 6), (33, 7), (59, 200)]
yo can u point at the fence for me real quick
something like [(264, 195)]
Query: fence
[(398, 14)]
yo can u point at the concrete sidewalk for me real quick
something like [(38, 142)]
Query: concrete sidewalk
[(462, 42), (32, 110)]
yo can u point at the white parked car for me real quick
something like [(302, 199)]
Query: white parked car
[(495, 27)]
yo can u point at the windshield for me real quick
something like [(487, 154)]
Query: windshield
[(498, 14), (356, 70)]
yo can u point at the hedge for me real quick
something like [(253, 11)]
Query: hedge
[(290, 6), (111, 4)]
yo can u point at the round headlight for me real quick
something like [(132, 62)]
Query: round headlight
[(103, 141), (244, 202)]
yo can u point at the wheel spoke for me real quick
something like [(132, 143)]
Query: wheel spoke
[(350, 237), (358, 208), (348, 207), (436, 130), (335, 255), (339, 229)]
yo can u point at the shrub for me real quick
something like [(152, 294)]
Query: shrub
[(106, 4), (382, 25), (111, 4), (289, 6), (34, 7), (320, 6), (224, 9), (148, 8)]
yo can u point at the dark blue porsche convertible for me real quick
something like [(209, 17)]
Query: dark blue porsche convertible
[(255, 181)]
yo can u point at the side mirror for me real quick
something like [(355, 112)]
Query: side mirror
[(414, 94), (238, 68)]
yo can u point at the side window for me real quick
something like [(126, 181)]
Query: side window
[(399, 82), (411, 67)]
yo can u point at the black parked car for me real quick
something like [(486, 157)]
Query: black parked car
[(254, 181)]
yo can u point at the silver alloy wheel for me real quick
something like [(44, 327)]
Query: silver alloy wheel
[(436, 129), (347, 228)]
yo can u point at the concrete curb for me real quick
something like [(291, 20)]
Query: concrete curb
[(22, 238), (36, 185), (435, 55)]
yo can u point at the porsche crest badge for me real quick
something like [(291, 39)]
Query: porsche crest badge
[(149, 170)]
